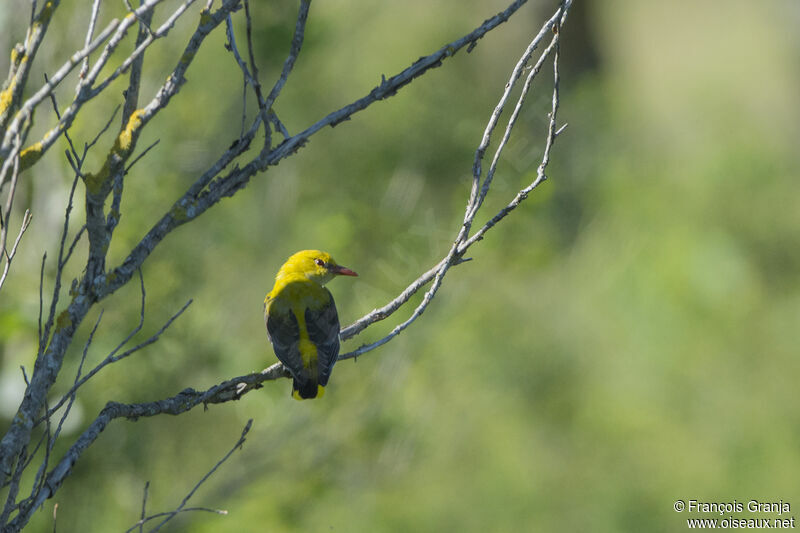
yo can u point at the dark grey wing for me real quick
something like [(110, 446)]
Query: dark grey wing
[(323, 331), (284, 334)]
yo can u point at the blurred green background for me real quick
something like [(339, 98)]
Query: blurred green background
[(626, 338)]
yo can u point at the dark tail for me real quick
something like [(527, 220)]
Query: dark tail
[(305, 390)]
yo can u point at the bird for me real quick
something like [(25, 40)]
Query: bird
[(302, 322)]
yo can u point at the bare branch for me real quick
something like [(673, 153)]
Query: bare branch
[(144, 506), (462, 242), (113, 357), (224, 178), (182, 402), (26, 220), (75, 241), (26, 109), (511, 123), (171, 514), (552, 133), (251, 76), (101, 183), (475, 201), (102, 131), (53, 100), (13, 486), (86, 90), (446, 263), (162, 31), (60, 264), (248, 78), (22, 60), (144, 153), (384, 312), (89, 33), (135, 81), (263, 107), (389, 87), (207, 190), (41, 307), (288, 64), (182, 505), (72, 396), (39, 479), (5, 215)]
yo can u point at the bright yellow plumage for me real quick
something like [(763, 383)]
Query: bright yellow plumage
[(302, 322)]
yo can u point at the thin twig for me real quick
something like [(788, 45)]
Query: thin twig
[(87, 87), (77, 377), (99, 226), (135, 78), (144, 507), (40, 474), (18, 76), (171, 514), (161, 32), (102, 130), (33, 11), (113, 357), (247, 77), (54, 101), (475, 200), (26, 220), (89, 32), (210, 187), (182, 507), (144, 153), (49, 361), (62, 260), (131, 103), (294, 51), (462, 242), (26, 109), (5, 216), (205, 192), (41, 306), (74, 242), (13, 486), (5, 213), (511, 123), (552, 133)]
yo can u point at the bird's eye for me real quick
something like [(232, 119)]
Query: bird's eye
[(319, 262)]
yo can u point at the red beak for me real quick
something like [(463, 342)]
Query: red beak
[(342, 271)]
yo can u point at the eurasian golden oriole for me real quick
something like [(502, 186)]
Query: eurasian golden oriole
[(302, 323)]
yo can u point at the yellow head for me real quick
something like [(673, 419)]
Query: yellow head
[(315, 265)]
